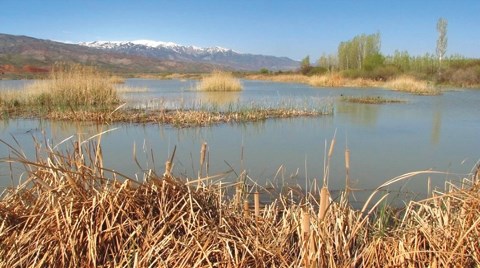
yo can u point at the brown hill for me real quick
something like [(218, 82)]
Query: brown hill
[(23, 54)]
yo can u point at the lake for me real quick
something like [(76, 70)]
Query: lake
[(425, 132)]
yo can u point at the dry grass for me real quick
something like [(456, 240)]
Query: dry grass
[(362, 82), (327, 80), (370, 100), (73, 212), (68, 86), (412, 85), (220, 81), (186, 118), (287, 78)]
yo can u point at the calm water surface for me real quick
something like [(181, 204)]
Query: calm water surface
[(427, 132)]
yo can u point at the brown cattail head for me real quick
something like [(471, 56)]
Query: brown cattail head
[(203, 153), (347, 159), (256, 196), (305, 222), (168, 169), (332, 146), (246, 211), (324, 200)]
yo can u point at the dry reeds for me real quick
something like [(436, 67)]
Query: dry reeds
[(370, 100), (286, 78), (412, 85), (326, 80), (185, 118), (220, 81), (67, 87), (73, 212)]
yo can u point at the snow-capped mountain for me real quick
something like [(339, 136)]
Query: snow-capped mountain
[(213, 55), (23, 54)]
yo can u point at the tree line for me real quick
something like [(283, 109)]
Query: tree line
[(361, 57)]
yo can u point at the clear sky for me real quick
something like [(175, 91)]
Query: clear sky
[(281, 28)]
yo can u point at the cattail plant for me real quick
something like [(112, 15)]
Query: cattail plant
[(67, 213), (347, 172), (256, 198)]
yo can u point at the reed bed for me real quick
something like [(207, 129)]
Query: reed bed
[(333, 79), (67, 87), (220, 81), (187, 118), (370, 100), (288, 78), (71, 211), (327, 80), (412, 85)]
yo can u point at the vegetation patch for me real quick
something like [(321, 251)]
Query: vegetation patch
[(67, 87), (412, 85), (287, 78), (220, 81), (186, 118), (326, 80), (370, 100)]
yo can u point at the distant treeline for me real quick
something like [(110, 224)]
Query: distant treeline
[(360, 57)]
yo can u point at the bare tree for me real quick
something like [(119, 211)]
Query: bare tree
[(442, 39)]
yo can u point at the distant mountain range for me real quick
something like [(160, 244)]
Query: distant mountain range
[(212, 55), (23, 53)]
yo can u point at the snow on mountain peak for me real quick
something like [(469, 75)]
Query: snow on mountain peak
[(153, 44)]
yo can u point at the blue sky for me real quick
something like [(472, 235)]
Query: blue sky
[(281, 28)]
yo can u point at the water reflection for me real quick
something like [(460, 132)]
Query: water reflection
[(357, 113), (219, 98), (437, 122), (385, 140)]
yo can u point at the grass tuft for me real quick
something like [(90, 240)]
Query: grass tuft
[(69, 86), (220, 81), (412, 85), (326, 80)]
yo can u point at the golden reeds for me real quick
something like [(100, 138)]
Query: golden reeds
[(288, 78), (220, 81), (412, 85), (326, 80), (69, 86), (69, 214)]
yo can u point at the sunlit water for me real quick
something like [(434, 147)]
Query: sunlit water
[(427, 132)]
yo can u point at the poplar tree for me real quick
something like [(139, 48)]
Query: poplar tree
[(305, 66), (442, 39), (352, 53)]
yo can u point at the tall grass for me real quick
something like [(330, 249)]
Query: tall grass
[(333, 79), (326, 80), (288, 78), (73, 212), (220, 81), (412, 85), (68, 86)]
